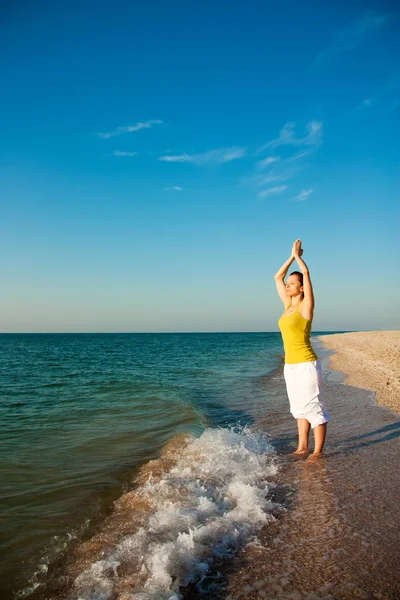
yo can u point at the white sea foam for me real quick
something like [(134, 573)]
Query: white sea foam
[(210, 503)]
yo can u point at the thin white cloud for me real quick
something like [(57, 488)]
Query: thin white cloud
[(222, 155), (314, 130), (176, 158), (287, 136), (130, 128), (121, 153), (350, 37), (174, 188), (283, 170), (278, 189), (366, 103), (303, 195), (278, 171), (267, 161), (274, 176), (298, 156), (230, 154)]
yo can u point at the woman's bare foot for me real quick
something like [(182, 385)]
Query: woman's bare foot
[(315, 456), (302, 450)]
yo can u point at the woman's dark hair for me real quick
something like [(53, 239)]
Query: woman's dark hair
[(300, 275)]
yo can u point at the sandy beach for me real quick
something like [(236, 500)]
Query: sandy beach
[(369, 360), (336, 538)]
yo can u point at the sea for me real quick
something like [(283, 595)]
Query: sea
[(130, 464)]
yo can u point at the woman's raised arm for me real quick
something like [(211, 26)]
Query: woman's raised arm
[(307, 285), (284, 268), (280, 283)]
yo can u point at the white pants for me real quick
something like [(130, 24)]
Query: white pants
[(304, 388)]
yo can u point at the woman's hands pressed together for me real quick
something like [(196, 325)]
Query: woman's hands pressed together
[(297, 249)]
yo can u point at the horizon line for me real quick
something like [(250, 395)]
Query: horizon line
[(169, 332)]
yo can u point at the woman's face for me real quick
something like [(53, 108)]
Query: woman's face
[(293, 286)]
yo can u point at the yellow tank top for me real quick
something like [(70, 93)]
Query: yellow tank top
[(295, 331)]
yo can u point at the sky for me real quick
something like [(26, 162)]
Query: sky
[(158, 160)]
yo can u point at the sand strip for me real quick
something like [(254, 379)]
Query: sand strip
[(370, 360)]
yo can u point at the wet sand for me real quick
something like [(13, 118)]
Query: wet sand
[(371, 360), (337, 536)]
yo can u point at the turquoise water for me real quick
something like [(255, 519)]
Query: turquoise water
[(81, 413)]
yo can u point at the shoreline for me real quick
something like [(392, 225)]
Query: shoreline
[(343, 543), (368, 360)]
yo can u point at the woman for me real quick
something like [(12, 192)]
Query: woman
[(302, 370)]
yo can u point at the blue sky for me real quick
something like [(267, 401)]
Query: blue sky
[(158, 160)]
